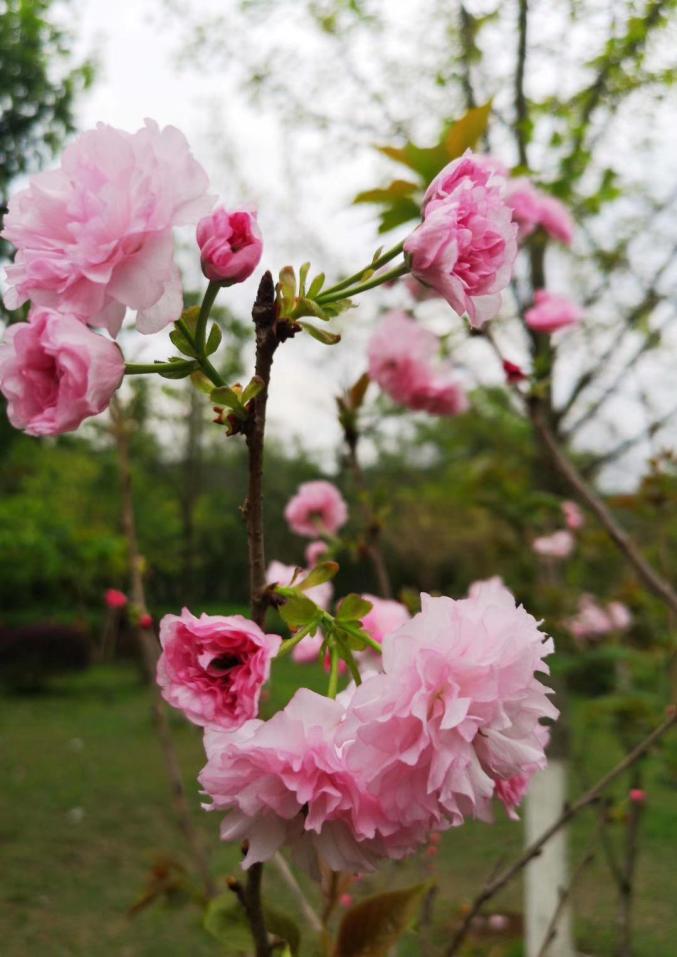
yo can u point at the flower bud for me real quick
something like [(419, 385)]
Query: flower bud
[(230, 245)]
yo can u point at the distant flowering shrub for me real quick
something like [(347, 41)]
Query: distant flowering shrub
[(318, 508), (55, 373), (532, 208), (466, 245), (213, 667), (402, 362), (593, 620)]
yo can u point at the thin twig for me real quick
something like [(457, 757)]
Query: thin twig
[(296, 889), (521, 107), (564, 895), (651, 578), (589, 797), (149, 650)]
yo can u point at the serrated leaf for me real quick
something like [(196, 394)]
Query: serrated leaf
[(255, 386), (297, 609), (181, 342), (282, 926), (303, 275), (322, 335), (396, 190), (372, 927), (225, 920), (180, 373), (353, 608), (465, 133), (316, 285), (324, 572), (213, 339)]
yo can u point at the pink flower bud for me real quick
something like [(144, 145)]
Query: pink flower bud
[(146, 621), (513, 372), (230, 245), (637, 796), (573, 516), (115, 598), (346, 900), (55, 372)]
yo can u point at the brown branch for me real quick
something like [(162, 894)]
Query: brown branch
[(149, 651), (589, 797), (521, 107), (564, 895), (467, 43), (626, 886), (651, 578)]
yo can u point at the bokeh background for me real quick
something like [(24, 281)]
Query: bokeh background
[(284, 102)]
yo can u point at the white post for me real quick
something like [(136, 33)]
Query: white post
[(547, 874)]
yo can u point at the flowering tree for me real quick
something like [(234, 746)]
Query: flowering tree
[(431, 714)]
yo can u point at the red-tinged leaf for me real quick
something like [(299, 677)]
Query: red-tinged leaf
[(465, 133), (398, 189), (374, 925)]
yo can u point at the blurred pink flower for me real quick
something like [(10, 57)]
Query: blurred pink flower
[(230, 245), (551, 312), (346, 900), (619, 615), (213, 667), (558, 545), (573, 516), (315, 552), (592, 620), (638, 796), (385, 617), (94, 237), (318, 508), (115, 598), (402, 362), (466, 245), (54, 372), (531, 208)]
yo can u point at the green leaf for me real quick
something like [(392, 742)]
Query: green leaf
[(308, 307), (180, 373), (402, 211), (316, 285), (297, 609), (288, 284), (255, 386), (353, 608), (213, 340), (282, 926), (333, 309), (182, 343), (358, 391), (465, 133), (303, 275), (396, 190), (324, 572), (225, 920), (372, 927), (189, 318), (224, 395), (201, 382), (322, 335)]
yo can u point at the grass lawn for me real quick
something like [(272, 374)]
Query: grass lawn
[(84, 813)]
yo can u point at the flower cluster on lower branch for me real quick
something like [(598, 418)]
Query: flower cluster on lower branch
[(452, 721)]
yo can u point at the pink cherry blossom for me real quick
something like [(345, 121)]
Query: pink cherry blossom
[(385, 617), (230, 245), (54, 372), (619, 615), (455, 711), (315, 552), (115, 598), (551, 312), (94, 237), (573, 516), (558, 545), (284, 782), (317, 508), (532, 208), (466, 245), (402, 361), (213, 667), (593, 620)]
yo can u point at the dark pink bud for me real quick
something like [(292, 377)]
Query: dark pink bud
[(230, 245), (115, 598)]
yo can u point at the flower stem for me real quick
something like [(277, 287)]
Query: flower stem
[(142, 368), (356, 290), (205, 308), (333, 672), (376, 264)]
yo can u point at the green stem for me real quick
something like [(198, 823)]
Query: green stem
[(206, 307), (202, 359), (141, 368), (291, 643), (376, 264), (356, 290), (333, 673)]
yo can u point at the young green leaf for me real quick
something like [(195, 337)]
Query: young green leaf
[(316, 285), (284, 927), (182, 343), (322, 335), (213, 340), (297, 610), (252, 389), (322, 573), (353, 608), (224, 395), (225, 920), (180, 373), (303, 275)]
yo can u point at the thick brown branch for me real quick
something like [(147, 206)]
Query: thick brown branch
[(589, 797), (658, 585)]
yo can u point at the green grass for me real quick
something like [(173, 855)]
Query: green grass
[(85, 811)]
